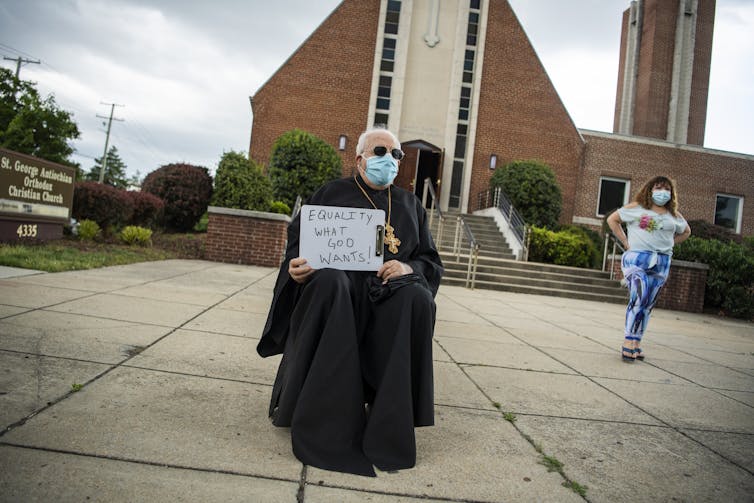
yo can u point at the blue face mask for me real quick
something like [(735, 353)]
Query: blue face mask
[(382, 170), (660, 197)]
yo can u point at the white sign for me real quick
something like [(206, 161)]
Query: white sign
[(335, 237)]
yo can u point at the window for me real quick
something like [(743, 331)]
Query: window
[(388, 55), (728, 211), (468, 67), (393, 16), (387, 63), (380, 119), (455, 185), (383, 92), (613, 194), (464, 106), (473, 27)]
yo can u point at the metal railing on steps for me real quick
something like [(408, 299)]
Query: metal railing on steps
[(496, 198), (611, 238), (462, 230)]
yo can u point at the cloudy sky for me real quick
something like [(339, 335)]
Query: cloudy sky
[(184, 69)]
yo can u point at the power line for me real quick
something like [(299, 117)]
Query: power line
[(13, 49)]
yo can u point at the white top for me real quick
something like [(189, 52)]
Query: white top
[(651, 231)]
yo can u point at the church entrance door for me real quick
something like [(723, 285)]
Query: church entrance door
[(423, 160)]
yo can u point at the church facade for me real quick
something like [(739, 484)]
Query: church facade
[(461, 85)]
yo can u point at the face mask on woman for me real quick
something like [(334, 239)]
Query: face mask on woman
[(382, 170), (660, 196)]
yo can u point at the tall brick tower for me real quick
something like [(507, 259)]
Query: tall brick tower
[(663, 79)]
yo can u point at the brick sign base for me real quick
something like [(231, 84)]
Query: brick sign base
[(246, 237), (684, 290), (26, 231)]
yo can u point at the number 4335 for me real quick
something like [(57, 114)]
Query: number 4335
[(27, 231)]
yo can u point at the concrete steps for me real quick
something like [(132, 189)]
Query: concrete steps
[(497, 268)]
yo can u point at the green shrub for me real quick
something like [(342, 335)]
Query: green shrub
[(561, 248), (532, 189), (186, 191), (595, 251), (136, 235), (106, 205), (201, 225), (730, 279), (748, 242), (240, 183), (280, 207), (299, 164), (705, 230), (88, 230)]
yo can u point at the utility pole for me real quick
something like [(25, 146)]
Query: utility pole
[(110, 120), (19, 60)]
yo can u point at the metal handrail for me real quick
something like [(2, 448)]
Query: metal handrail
[(429, 189), (460, 224), (515, 220), (610, 236), (473, 254), (296, 207), (520, 229)]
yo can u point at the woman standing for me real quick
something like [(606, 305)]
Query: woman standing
[(654, 227)]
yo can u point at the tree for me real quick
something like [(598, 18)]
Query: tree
[(32, 125), (240, 183), (300, 163), (532, 189), (115, 173)]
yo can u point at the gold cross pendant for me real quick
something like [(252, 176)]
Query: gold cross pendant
[(392, 241)]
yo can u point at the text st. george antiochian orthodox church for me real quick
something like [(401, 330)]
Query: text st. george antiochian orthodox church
[(461, 85)]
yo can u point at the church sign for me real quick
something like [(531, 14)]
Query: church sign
[(36, 197)]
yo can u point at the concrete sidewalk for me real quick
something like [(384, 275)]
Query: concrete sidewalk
[(172, 397)]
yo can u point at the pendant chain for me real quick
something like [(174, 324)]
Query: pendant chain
[(390, 238)]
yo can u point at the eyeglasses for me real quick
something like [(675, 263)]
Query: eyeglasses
[(396, 152)]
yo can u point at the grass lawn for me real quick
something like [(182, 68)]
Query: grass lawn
[(70, 254)]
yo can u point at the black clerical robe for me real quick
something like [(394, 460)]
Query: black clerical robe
[(356, 373)]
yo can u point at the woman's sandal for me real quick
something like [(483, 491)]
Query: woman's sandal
[(631, 357), (639, 354)]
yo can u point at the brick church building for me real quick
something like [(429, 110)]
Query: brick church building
[(461, 85)]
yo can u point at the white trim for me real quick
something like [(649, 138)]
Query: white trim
[(376, 65), (476, 85), (398, 84), (683, 66), (502, 225), (454, 101), (218, 210), (587, 221), (630, 65), (665, 144)]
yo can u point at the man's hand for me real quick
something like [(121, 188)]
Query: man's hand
[(299, 271), (393, 269)]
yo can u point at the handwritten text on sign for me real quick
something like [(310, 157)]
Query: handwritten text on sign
[(340, 238)]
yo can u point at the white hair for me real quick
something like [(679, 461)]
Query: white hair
[(370, 131)]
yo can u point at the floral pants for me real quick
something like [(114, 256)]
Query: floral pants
[(645, 273)]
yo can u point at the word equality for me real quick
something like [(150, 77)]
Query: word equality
[(345, 214)]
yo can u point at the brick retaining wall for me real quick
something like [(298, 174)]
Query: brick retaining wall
[(246, 237), (684, 290)]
